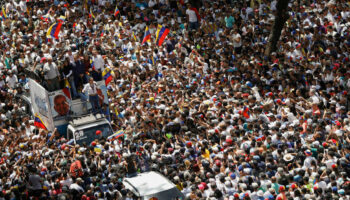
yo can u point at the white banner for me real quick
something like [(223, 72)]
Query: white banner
[(41, 105), (102, 92)]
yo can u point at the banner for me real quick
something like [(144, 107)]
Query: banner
[(60, 104), (40, 102), (102, 92)]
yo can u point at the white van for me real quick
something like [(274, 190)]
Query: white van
[(153, 186)]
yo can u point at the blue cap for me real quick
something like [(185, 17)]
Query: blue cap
[(334, 188)]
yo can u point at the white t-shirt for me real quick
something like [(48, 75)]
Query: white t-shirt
[(308, 160), (67, 182), (191, 15), (99, 62), (11, 81), (23, 6), (237, 44)]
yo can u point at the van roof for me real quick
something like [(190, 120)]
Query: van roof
[(148, 183), (87, 119)]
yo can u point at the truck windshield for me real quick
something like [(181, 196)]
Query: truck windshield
[(88, 135)]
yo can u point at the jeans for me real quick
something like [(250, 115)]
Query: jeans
[(53, 84), (94, 100), (194, 25), (84, 99), (72, 87)]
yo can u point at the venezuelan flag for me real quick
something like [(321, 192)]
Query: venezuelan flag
[(92, 65), (116, 11), (62, 19), (246, 112), (44, 18), (66, 89), (161, 35), (3, 14), (107, 76), (54, 30), (91, 15), (116, 135), (152, 61), (116, 111), (147, 36), (158, 30), (133, 35), (38, 122)]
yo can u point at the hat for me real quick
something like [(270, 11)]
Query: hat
[(188, 144), (79, 180), (201, 187), (218, 163), (232, 175), (282, 188), (308, 152), (288, 157)]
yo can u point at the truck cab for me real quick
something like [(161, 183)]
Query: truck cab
[(83, 129), (152, 186)]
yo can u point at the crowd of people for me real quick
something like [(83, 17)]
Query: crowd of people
[(207, 108)]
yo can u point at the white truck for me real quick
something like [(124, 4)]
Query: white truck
[(71, 117), (152, 186)]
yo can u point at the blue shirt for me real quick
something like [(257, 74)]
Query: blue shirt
[(229, 21)]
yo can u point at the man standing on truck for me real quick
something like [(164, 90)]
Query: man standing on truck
[(51, 75), (91, 88)]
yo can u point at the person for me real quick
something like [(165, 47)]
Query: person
[(51, 72), (98, 65), (229, 20), (91, 90), (80, 67), (237, 41), (22, 80), (11, 80), (34, 183), (61, 105), (67, 74), (192, 17), (76, 189)]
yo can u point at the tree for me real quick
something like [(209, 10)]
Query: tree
[(281, 17)]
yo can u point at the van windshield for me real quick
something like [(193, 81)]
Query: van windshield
[(88, 135)]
